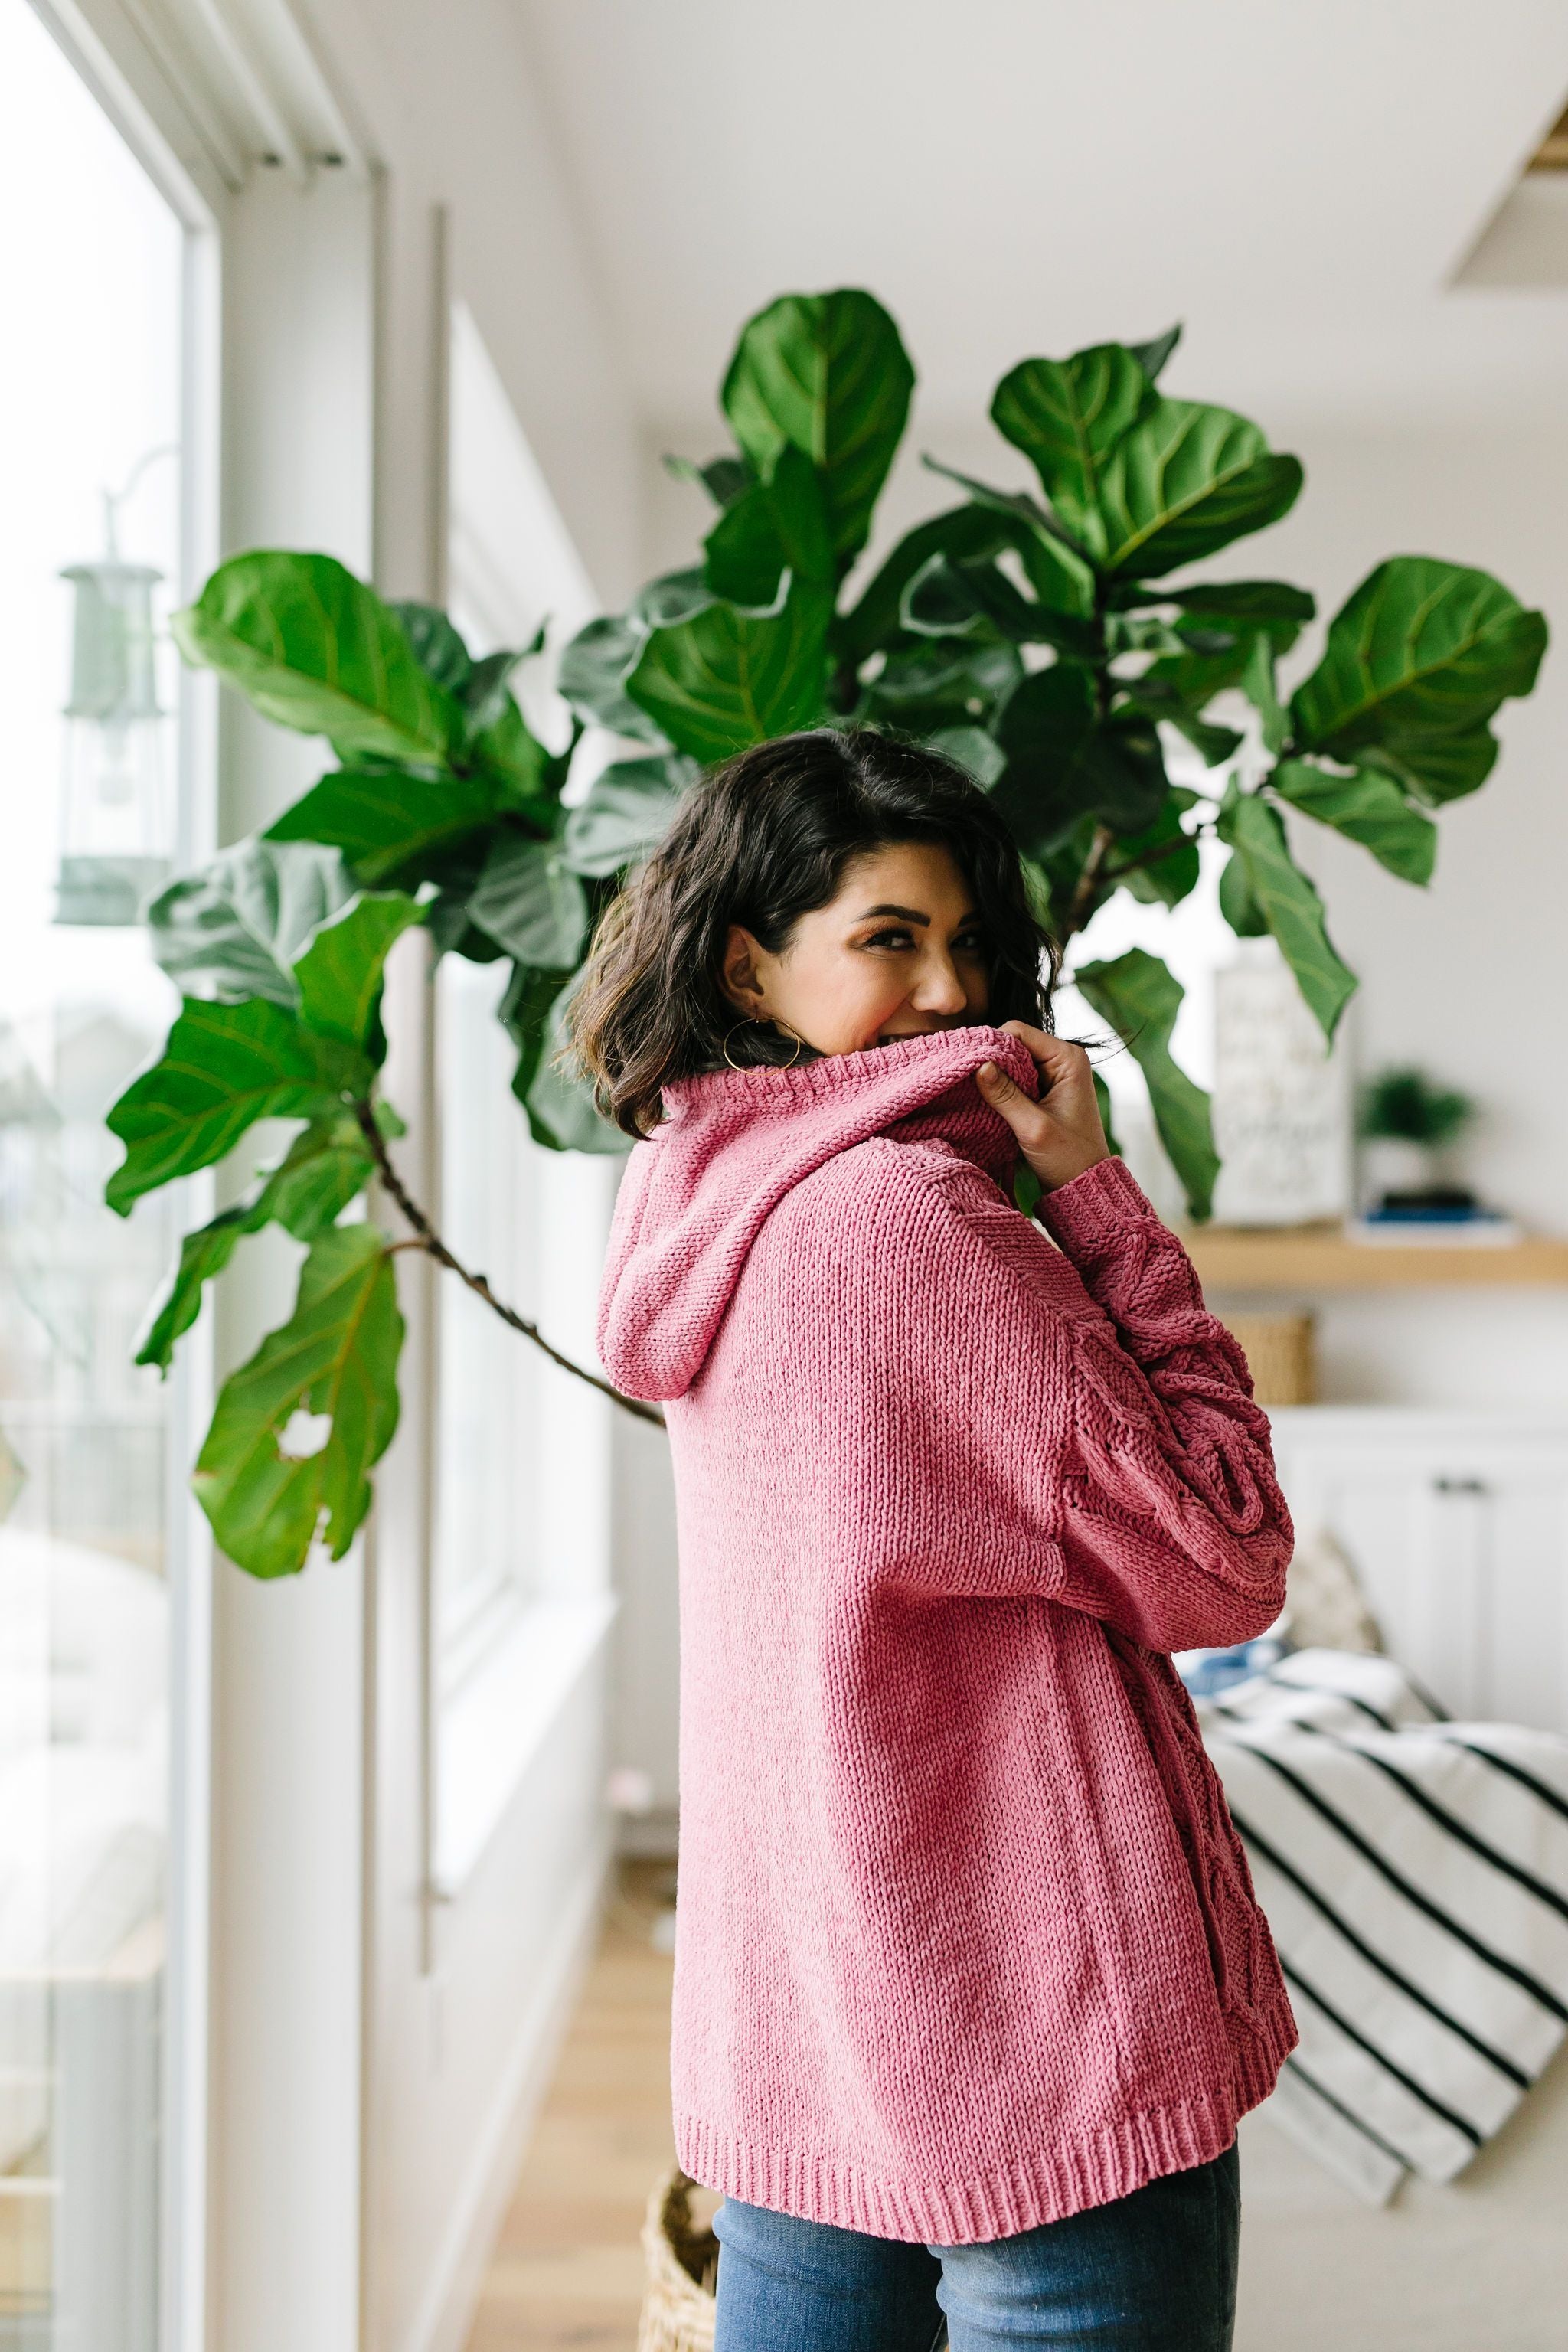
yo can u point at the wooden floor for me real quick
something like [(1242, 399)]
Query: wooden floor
[(567, 2267)]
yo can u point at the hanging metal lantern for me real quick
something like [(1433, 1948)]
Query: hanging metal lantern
[(117, 834)]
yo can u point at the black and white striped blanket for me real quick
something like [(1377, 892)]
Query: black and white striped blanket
[(1414, 1874)]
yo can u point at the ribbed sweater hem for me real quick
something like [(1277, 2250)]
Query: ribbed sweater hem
[(1045, 2185)]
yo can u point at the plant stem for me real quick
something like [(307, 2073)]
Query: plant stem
[(1152, 857), (1086, 884), (430, 1241)]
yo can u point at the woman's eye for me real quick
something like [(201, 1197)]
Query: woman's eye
[(893, 938), (969, 944)]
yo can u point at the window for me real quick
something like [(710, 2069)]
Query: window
[(93, 484)]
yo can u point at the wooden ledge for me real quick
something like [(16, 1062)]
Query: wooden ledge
[(1325, 1257)]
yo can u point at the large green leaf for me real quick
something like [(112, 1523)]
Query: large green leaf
[(723, 479), (561, 1113), (948, 599), (1258, 684), (1160, 864), (1158, 698), (1436, 768), (1236, 903), (1368, 807), (1186, 480), (942, 682), (828, 375), (328, 1163), (531, 903), (726, 678), (625, 810), (524, 1013), (1288, 903), (778, 525), (670, 598), (203, 1257), (1416, 662), (224, 1067), (1066, 759), (1140, 999), (974, 750), (592, 675), (235, 927), (390, 824), (505, 753), (1152, 356), (337, 1356), (1059, 572), (312, 648), (1066, 416), (339, 976), (1239, 600), (874, 621), (438, 648)]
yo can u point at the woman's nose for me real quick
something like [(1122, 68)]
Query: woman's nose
[(940, 989)]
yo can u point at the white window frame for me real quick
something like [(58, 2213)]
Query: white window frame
[(122, 78)]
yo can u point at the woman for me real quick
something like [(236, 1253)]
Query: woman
[(970, 1985)]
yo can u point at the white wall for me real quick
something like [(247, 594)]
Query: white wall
[(451, 108), (1468, 977)]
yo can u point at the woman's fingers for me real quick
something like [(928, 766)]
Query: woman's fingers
[(1055, 1056), (1005, 1092), (1060, 1135)]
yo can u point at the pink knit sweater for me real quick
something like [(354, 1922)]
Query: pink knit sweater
[(965, 1940)]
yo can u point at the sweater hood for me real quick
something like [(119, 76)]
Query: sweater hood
[(731, 1143)]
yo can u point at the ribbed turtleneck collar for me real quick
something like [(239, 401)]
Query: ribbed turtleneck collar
[(733, 1142)]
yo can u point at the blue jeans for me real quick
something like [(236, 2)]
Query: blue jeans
[(1154, 2272)]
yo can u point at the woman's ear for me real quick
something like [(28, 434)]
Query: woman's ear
[(739, 974)]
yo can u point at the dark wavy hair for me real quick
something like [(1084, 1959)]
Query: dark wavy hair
[(761, 840)]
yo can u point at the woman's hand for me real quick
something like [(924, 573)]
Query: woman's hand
[(1060, 1135)]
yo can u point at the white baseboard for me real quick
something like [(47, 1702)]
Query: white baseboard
[(446, 2310)]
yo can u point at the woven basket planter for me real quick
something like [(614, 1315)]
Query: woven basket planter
[(682, 2263), (1281, 1354)]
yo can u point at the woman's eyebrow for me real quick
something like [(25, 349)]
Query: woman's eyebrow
[(910, 914)]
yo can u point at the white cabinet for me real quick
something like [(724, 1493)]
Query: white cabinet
[(1458, 1526)]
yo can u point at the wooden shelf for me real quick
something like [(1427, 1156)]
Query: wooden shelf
[(1322, 1257)]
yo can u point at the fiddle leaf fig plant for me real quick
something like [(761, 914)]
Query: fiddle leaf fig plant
[(1049, 634)]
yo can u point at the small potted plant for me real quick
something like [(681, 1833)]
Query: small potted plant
[(1409, 1122)]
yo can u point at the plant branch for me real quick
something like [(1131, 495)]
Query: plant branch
[(1153, 856), (1088, 883), (427, 1239)]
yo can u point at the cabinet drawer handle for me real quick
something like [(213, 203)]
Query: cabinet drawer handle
[(1459, 1485)]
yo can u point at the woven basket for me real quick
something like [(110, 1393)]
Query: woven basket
[(1281, 1354), (682, 2263)]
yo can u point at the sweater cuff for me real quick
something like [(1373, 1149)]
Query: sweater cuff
[(1081, 1215)]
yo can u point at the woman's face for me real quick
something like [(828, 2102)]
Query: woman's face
[(897, 953)]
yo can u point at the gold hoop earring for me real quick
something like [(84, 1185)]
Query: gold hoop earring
[(724, 1047)]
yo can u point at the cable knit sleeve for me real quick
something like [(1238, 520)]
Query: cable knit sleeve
[(1174, 1527), (1094, 1425)]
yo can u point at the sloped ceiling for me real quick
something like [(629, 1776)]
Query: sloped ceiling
[(1301, 181)]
